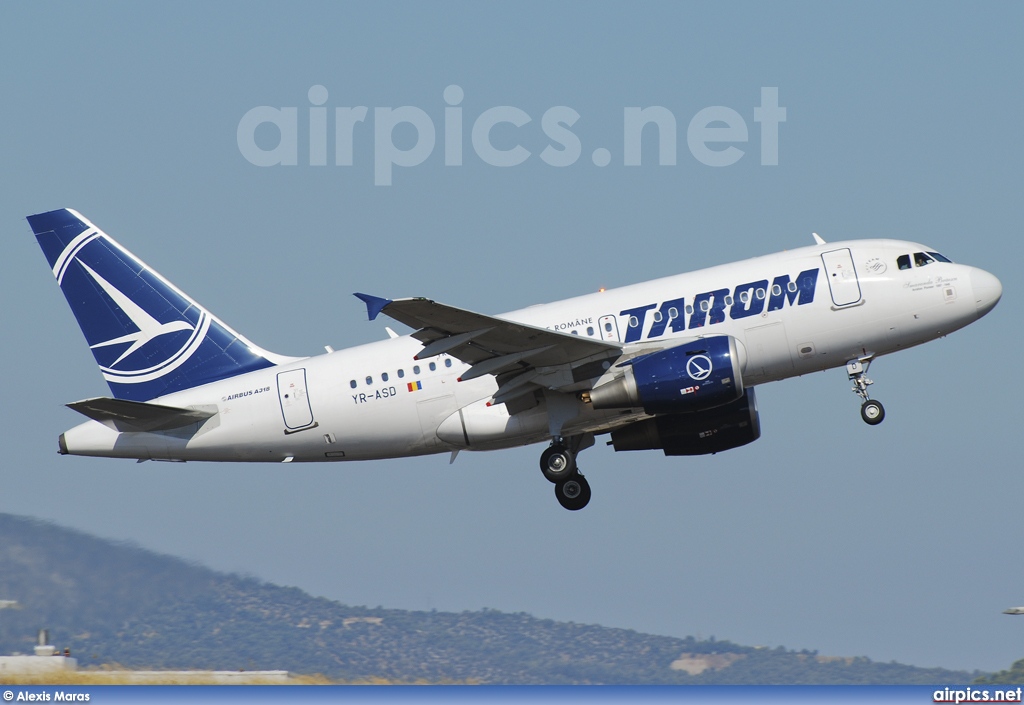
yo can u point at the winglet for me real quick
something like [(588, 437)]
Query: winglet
[(374, 304), (817, 239)]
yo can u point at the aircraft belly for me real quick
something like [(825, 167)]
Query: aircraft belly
[(479, 426)]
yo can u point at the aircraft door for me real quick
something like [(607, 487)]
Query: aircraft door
[(608, 327), (842, 277), (768, 352), (295, 408)]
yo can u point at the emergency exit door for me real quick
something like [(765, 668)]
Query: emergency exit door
[(609, 328)]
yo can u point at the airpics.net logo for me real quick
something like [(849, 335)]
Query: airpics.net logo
[(712, 134)]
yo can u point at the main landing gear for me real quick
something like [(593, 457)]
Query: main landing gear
[(558, 463), (871, 410), (574, 493)]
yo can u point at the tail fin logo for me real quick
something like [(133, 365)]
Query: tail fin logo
[(149, 329), (130, 344), (149, 338)]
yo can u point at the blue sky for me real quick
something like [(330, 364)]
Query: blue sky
[(895, 542)]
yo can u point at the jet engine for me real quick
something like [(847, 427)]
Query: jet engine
[(702, 374), (699, 433)]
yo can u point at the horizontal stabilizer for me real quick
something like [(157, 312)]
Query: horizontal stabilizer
[(138, 416)]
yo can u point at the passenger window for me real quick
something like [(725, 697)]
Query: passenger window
[(369, 379), (673, 312), (760, 294), (415, 369), (705, 305), (745, 297), (633, 322), (903, 261), (939, 257), (608, 327), (657, 316), (448, 360), (590, 330), (401, 373), (383, 376), (352, 384), (728, 300), (689, 310), (432, 367), (776, 290), (792, 287), (574, 332)]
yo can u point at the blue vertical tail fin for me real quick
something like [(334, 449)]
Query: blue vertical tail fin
[(148, 337)]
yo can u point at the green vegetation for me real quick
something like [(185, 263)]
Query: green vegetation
[(1014, 676), (112, 603)]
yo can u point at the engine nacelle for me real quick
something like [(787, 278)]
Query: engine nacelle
[(702, 374), (730, 426)]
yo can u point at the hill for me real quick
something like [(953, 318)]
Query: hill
[(1012, 676), (114, 603)]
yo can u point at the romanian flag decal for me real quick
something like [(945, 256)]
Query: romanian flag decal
[(414, 386)]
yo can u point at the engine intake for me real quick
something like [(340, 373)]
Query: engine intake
[(702, 374), (730, 426)]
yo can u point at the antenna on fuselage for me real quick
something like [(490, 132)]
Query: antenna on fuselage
[(817, 239)]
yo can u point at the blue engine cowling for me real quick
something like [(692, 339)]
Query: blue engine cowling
[(725, 427), (701, 374)]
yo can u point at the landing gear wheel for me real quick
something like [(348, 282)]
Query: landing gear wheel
[(872, 412), (574, 493), (557, 463)]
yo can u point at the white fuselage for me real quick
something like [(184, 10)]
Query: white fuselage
[(378, 401)]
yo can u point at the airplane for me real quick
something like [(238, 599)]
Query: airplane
[(9, 605), (669, 364), (1014, 610)]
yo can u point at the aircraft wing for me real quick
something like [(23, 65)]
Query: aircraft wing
[(496, 346)]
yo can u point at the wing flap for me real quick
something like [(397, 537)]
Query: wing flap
[(138, 416)]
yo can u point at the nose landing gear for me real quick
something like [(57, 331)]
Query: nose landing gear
[(871, 410)]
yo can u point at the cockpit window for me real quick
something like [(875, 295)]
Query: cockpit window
[(903, 261), (921, 259), (939, 257)]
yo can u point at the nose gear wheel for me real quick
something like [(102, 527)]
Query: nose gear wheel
[(871, 410)]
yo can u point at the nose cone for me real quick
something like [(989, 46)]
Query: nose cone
[(987, 290)]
